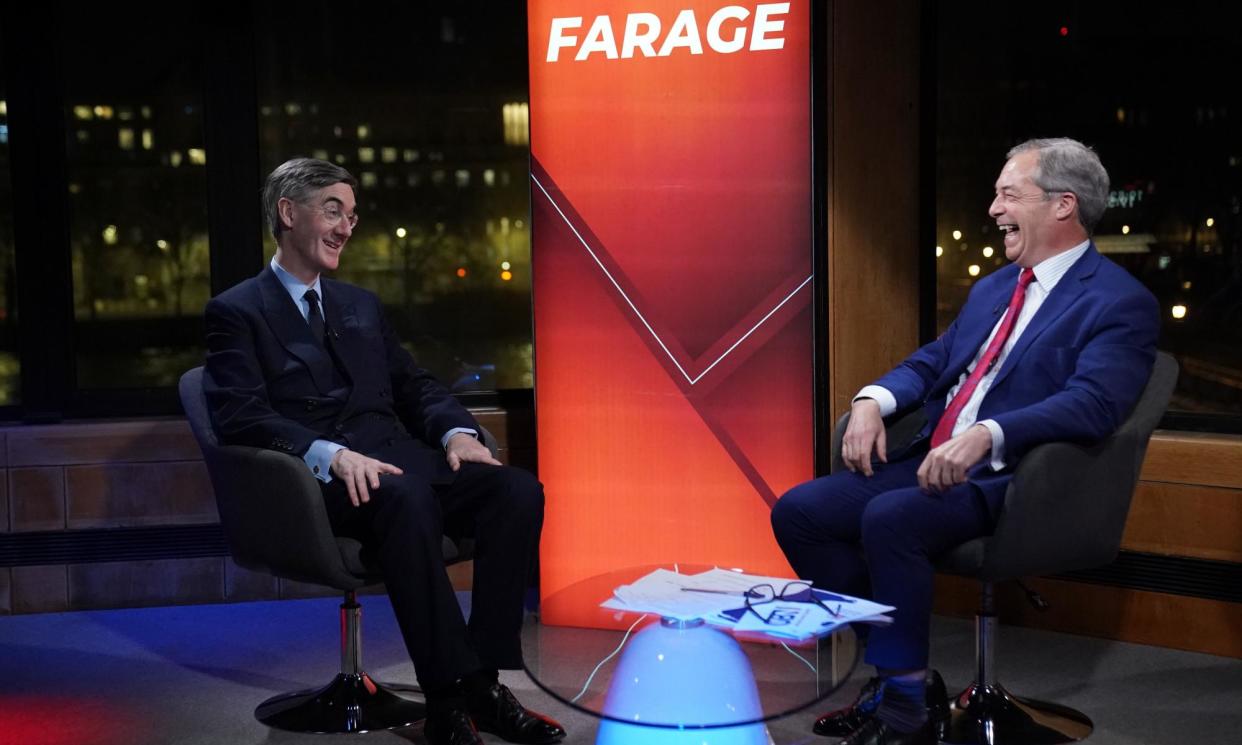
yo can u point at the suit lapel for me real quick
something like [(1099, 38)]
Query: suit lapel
[(291, 329), (342, 327), (1058, 301), (972, 335)]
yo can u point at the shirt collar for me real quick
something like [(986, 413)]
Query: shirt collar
[(1050, 271), (296, 287)]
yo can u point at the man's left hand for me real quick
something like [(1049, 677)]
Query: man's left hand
[(465, 448), (946, 466)]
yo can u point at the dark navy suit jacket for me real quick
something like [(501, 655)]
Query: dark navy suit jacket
[(1074, 374), (271, 385)]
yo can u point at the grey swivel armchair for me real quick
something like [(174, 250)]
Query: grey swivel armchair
[(261, 493), (1065, 510)]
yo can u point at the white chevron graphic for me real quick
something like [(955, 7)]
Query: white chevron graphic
[(638, 313)]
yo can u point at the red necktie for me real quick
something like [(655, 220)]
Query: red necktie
[(944, 428)]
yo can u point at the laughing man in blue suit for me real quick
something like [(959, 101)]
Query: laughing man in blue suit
[(1055, 347)]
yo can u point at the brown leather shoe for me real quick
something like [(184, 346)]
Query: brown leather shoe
[(498, 711)]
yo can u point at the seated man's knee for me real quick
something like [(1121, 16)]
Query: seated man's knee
[(788, 514)]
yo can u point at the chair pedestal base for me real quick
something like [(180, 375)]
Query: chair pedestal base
[(349, 704), (990, 715)]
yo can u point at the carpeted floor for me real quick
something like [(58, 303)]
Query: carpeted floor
[(193, 674)]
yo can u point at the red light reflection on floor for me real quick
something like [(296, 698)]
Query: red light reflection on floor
[(66, 720)]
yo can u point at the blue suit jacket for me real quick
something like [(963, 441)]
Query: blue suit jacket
[(271, 385), (1074, 374)]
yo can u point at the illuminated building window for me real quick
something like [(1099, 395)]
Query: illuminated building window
[(366, 155), (388, 154), (516, 118), (125, 138)]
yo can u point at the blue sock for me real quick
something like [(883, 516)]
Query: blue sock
[(904, 704)]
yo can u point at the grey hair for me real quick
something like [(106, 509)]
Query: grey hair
[(297, 180), (1067, 165)]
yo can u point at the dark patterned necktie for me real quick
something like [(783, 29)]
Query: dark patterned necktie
[(314, 317)]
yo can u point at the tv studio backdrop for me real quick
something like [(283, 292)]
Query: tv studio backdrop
[(726, 228)]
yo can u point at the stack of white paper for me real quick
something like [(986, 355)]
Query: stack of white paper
[(718, 596)]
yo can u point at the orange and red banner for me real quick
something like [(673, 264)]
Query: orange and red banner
[(672, 261)]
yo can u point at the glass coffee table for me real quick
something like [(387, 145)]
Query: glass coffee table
[(660, 680)]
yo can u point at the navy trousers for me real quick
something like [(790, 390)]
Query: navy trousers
[(877, 537), (401, 527)]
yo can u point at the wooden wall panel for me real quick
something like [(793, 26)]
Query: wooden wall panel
[(873, 185), (1204, 522)]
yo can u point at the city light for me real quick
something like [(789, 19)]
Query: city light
[(174, 158), (973, 270), (987, 252), (1186, 285), (461, 271), (957, 235), (198, 156), (364, 131), (505, 265), (162, 245), (1179, 312), (506, 276), (1125, 229), (400, 232), (939, 251), (1209, 222), (109, 235)]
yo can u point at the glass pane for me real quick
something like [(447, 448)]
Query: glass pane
[(1152, 89), (428, 109), (137, 194), (10, 369)]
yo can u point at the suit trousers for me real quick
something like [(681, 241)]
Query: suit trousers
[(401, 529), (878, 537)]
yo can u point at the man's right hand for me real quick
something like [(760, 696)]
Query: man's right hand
[(864, 435), (360, 472)]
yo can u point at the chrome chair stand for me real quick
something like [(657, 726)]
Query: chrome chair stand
[(987, 714), (352, 702)]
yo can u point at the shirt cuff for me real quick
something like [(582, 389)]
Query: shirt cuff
[(882, 396), (319, 458), (998, 444), (454, 431)]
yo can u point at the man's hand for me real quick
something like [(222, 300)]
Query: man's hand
[(946, 466), (864, 434), (465, 448), (360, 472)]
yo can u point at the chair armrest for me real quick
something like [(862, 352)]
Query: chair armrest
[(273, 516), (899, 431)]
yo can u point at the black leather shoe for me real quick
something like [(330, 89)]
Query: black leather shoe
[(498, 711), (451, 726), (842, 722), (875, 732)]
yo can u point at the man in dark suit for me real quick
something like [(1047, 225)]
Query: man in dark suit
[(309, 366), (1056, 346)]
